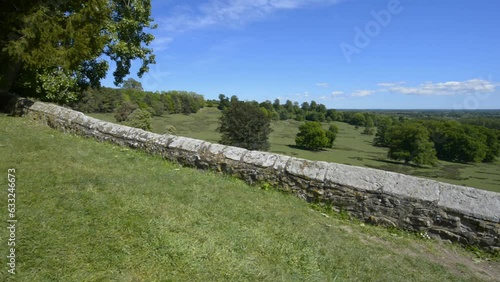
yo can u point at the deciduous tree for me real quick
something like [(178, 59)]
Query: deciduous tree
[(245, 125), (410, 142), (312, 136)]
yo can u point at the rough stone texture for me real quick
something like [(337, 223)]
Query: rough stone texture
[(446, 211)]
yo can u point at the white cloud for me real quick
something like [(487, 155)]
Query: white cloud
[(229, 12), (390, 84), (161, 43), (322, 84), (362, 93), (336, 93), (301, 95), (447, 88)]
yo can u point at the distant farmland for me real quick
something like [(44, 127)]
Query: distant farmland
[(351, 147)]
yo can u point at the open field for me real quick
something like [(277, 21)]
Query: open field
[(90, 211), (351, 147)]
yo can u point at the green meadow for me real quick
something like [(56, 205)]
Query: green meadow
[(90, 211), (350, 147)]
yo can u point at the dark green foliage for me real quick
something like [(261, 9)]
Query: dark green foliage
[(245, 125), (493, 144), (410, 142), (223, 102), (368, 131), (312, 136), (106, 100), (465, 143), (139, 119), (369, 121), (127, 108), (492, 122), (305, 106), (331, 134), (358, 119), (277, 105), (381, 137), (315, 116), (369, 124), (54, 49)]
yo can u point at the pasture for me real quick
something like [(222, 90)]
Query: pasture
[(351, 147), (90, 211)]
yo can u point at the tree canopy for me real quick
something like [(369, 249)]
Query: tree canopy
[(52, 49), (410, 143), (312, 136), (245, 125)]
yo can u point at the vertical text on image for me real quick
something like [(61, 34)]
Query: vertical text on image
[(11, 221)]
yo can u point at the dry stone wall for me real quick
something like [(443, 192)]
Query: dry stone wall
[(462, 214)]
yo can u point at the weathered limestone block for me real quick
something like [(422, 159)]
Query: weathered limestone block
[(309, 170), (469, 201), (260, 159), (406, 186), (234, 153), (213, 155), (159, 145), (188, 144), (186, 150), (115, 130), (351, 176)]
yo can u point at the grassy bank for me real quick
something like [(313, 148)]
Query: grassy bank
[(351, 147), (90, 211)]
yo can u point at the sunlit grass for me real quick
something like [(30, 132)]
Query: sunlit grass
[(92, 211)]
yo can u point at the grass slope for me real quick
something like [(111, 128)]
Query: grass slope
[(91, 211), (351, 147)]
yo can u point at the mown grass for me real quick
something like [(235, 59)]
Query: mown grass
[(351, 147), (90, 211)]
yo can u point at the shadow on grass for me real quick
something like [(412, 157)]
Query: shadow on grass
[(396, 163), (305, 148)]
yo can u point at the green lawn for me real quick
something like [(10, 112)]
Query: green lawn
[(90, 211), (351, 147)]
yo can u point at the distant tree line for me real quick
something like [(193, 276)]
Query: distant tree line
[(489, 122), (108, 100), (133, 106), (411, 136)]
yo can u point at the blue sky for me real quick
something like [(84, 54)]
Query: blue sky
[(346, 54)]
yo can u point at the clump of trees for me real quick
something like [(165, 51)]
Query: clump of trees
[(465, 143), (410, 143), (312, 136), (289, 110), (422, 141), (245, 125)]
